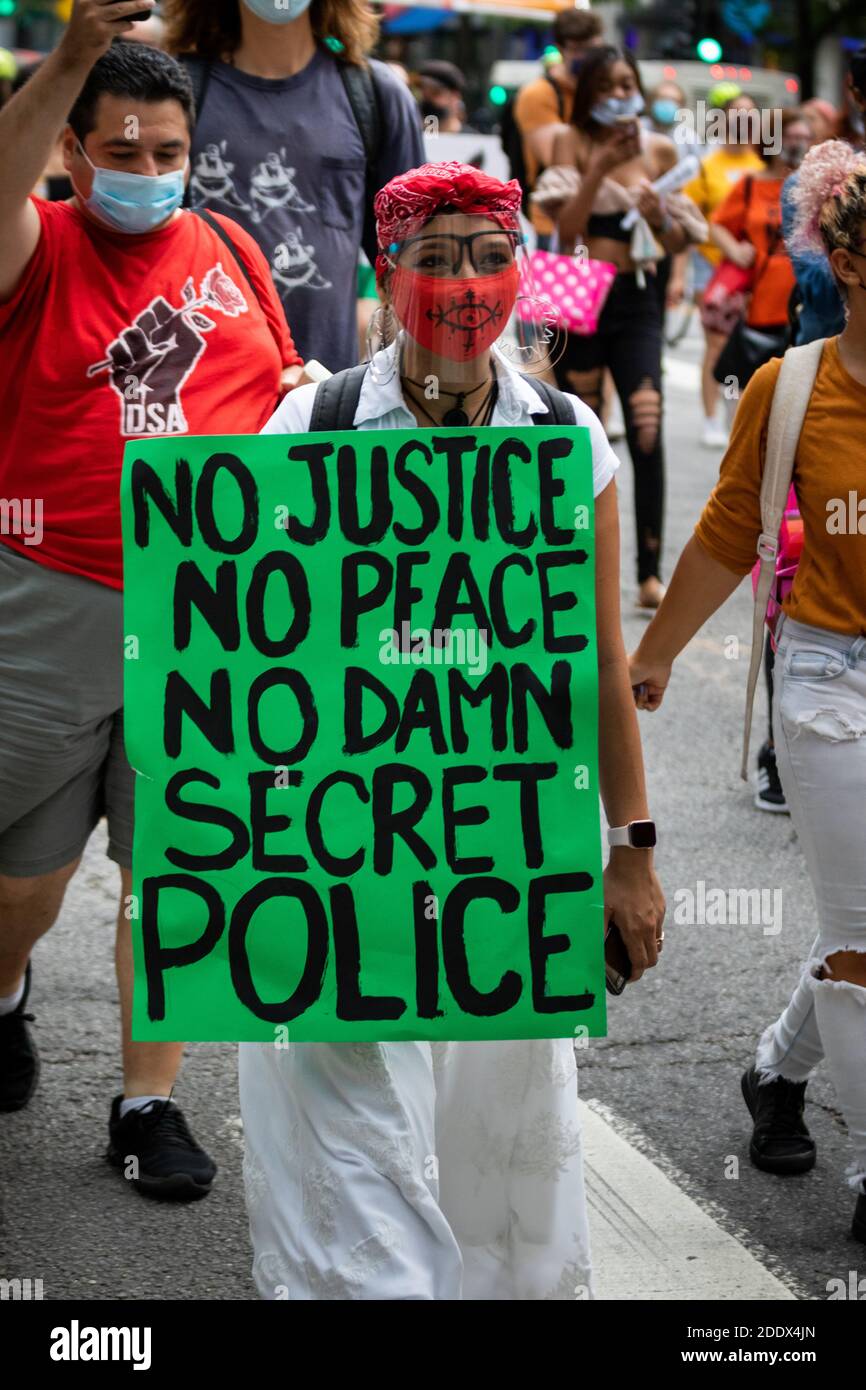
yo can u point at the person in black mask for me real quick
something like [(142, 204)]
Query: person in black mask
[(440, 88)]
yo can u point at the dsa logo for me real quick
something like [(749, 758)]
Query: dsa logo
[(151, 360)]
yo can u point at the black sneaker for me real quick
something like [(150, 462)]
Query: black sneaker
[(781, 1143), (769, 795), (19, 1061), (858, 1226), (169, 1163)]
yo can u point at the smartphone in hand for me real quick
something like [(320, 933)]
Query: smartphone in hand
[(617, 966)]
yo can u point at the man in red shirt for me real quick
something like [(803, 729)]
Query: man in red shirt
[(121, 317)]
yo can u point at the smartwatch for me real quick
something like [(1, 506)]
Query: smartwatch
[(638, 834)]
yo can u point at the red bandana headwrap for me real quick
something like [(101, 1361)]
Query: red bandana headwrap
[(405, 204)]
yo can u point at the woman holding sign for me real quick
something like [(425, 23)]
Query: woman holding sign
[(448, 1170)]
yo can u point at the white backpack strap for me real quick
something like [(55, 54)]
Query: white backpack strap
[(790, 403)]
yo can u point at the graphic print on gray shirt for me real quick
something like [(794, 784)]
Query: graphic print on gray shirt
[(284, 157)]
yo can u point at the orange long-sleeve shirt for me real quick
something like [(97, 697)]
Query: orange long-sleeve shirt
[(753, 209), (829, 477)]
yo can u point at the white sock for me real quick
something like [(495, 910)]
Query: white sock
[(137, 1103), (9, 1002)]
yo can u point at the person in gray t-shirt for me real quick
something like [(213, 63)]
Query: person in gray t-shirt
[(278, 147)]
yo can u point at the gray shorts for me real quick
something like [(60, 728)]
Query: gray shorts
[(62, 760)]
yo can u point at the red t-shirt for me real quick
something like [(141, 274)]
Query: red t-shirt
[(110, 337)]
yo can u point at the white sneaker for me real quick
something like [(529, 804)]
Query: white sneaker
[(714, 435)]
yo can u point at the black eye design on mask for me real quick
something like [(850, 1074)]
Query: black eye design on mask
[(467, 314)]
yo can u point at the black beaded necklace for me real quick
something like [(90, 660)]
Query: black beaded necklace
[(459, 417), (455, 415)]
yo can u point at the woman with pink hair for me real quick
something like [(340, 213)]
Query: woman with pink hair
[(819, 702)]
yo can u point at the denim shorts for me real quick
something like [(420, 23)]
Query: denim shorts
[(823, 675), (819, 717), (62, 759)]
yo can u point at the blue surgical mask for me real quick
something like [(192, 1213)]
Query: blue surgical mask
[(278, 11), (609, 111), (133, 202), (664, 111)]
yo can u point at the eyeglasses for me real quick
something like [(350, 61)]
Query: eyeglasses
[(443, 253)]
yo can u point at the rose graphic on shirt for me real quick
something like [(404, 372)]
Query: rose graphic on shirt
[(212, 179), (272, 186), (293, 266), (149, 362), (220, 292)]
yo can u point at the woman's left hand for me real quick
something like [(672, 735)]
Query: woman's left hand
[(633, 897), (292, 377), (650, 206)]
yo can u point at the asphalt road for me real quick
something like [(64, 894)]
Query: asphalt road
[(669, 1070)]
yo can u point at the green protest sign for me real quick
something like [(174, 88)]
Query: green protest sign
[(361, 697)]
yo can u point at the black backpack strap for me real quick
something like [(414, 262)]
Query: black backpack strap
[(198, 70), (224, 237), (363, 96), (336, 400), (560, 411)]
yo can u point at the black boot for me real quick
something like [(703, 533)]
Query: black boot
[(781, 1143)]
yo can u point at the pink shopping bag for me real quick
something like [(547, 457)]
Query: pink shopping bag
[(574, 287)]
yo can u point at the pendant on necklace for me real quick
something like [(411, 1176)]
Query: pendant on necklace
[(455, 416)]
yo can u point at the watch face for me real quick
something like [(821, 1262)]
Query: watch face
[(642, 834)]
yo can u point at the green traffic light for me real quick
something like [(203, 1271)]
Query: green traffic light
[(709, 50), (498, 96)]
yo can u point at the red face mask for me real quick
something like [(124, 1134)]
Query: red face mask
[(454, 318)]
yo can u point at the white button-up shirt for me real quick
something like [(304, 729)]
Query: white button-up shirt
[(381, 407)]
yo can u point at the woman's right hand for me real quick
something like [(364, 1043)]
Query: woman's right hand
[(621, 144), (743, 255), (649, 680)]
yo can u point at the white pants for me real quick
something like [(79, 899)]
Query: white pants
[(819, 722), (389, 1171)]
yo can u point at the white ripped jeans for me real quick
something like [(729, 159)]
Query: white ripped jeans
[(819, 718)]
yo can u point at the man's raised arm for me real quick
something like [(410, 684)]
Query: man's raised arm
[(31, 122)]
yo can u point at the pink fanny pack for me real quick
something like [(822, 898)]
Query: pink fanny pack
[(787, 560), (573, 288)]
